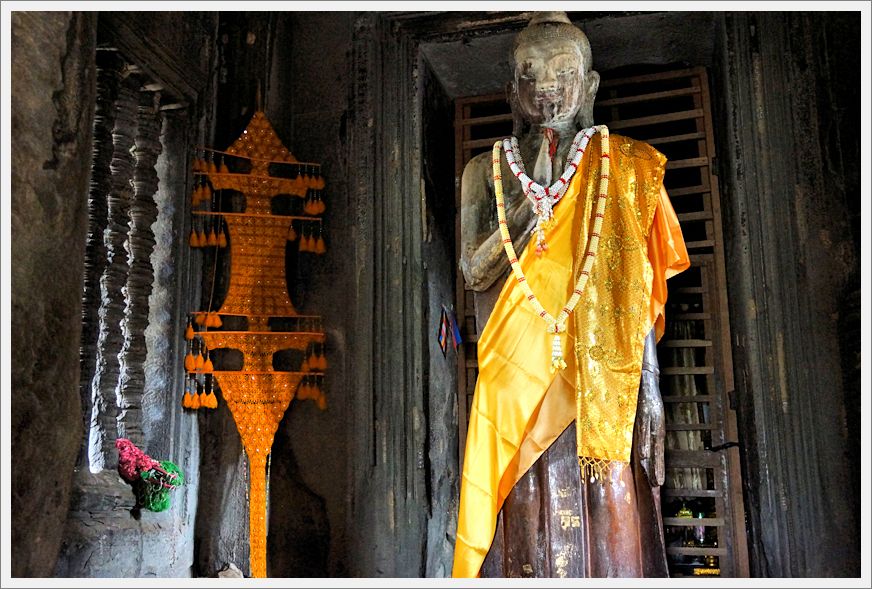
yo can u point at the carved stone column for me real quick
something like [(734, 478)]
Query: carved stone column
[(109, 65), (103, 429), (143, 213)]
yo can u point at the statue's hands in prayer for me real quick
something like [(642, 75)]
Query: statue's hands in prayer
[(483, 258), (519, 215), (651, 418)]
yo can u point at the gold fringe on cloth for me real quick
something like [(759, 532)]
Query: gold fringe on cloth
[(598, 469)]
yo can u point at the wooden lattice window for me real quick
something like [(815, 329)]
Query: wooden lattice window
[(671, 111)]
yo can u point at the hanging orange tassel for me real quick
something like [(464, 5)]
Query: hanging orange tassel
[(223, 168), (222, 239), (321, 206), (211, 167), (322, 402), (292, 235), (303, 391), (189, 362), (199, 362), (200, 319), (189, 332), (195, 401), (207, 365), (186, 400), (212, 401), (211, 238), (193, 241), (305, 366), (320, 247)]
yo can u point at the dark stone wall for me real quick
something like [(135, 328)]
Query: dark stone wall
[(443, 476), (307, 99), (790, 180), (52, 113)]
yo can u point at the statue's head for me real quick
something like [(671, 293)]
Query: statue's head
[(553, 83)]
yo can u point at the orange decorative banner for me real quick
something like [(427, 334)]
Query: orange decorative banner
[(257, 395)]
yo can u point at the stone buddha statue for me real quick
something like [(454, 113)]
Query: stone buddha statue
[(558, 519)]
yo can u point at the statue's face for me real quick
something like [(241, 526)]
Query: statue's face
[(550, 81)]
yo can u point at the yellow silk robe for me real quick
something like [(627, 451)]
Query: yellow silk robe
[(519, 407)]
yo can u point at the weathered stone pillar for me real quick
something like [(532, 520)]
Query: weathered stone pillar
[(109, 65), (101, 451), (143, 214)]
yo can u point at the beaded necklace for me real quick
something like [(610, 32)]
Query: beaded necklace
[(545, 198), (558, 325)]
